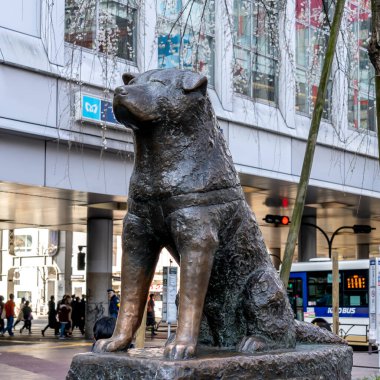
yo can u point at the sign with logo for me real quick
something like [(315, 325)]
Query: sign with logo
[(344, 312), (93, 109), (169, 308)]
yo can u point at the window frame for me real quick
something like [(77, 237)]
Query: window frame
[(355, 85), (311, 71), (94, 6), (252, 50), (206, 32)]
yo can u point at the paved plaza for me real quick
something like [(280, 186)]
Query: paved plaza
[(34, 357)]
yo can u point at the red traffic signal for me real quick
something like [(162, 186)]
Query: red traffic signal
[(277, 219)]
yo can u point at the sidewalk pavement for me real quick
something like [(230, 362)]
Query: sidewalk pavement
[(34, 357)]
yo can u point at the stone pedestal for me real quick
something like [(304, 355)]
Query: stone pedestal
[(308, 361)]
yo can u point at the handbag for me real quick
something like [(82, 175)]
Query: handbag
[(3, 314)]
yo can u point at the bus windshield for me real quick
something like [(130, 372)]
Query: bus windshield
[(353, 288)]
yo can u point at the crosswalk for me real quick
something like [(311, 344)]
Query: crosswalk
[(39, 324)]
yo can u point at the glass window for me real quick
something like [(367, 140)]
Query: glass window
[(313, 18), (353, 288), (319, 289), (23, 244), (361, 94), (255, 37), (186, 35), (103, 25)]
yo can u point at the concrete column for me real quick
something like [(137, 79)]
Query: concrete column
[(99, 269), (276, 257), (224, 59), (68, 262), (63, 259), (362, 251), (286, 88), (307, 240)]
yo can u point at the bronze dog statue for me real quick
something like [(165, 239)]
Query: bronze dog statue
[(185, 195)]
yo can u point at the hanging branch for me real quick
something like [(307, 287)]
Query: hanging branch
[(311, 143), (374, 56)]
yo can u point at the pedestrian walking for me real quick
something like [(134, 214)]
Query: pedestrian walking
[(20, 313), (9, 314), (78, 314), (27, 316), (64, 317), (2, 315), (150, 314), (82, 314), (52, 318), (114, 303)]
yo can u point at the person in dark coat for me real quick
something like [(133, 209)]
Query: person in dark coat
[(114, 303), (52, 318), (150, 316), (27, 318), (78, 314)]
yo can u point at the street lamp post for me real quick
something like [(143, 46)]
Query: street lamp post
[(358, 229)]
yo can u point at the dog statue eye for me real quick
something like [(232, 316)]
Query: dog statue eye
[(158, 81)]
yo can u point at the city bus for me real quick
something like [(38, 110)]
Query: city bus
[(310, 295)]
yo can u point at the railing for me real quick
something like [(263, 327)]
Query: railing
[(344, 332)]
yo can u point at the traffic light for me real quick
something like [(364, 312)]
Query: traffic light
[(81, 263), (362, 229), (277, 219)]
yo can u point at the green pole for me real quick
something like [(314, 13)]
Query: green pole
[(311, 142)]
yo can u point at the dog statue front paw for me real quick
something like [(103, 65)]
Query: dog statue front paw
[(179, 351), (119, 343)]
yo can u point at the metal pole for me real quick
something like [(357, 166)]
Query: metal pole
[(168, 330), (335, 291)]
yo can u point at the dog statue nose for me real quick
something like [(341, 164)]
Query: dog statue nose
[(121, 91)]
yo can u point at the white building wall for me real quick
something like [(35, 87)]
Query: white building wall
[(262, 138)]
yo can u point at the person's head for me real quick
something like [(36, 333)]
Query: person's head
[(26, 303), (66, 301), (151, 296), (51, 298), (1, 298), (103, 328), (111, 293), (23, 299), (11, 296)]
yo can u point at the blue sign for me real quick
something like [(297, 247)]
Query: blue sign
[(359, 312), (90, 108), (107, 113), (97, 110)]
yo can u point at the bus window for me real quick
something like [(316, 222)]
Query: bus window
[(319, 289), (355, 289)]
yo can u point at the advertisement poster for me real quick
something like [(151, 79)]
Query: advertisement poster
[(169, 294)]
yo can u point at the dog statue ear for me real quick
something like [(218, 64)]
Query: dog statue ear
[(127, 77), (193, 81)]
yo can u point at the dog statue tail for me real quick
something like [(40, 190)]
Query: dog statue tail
[(309, 333)]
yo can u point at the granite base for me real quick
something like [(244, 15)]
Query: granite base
[(306, 361)]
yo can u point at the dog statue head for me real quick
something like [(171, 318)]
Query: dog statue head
[(158, 96)]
